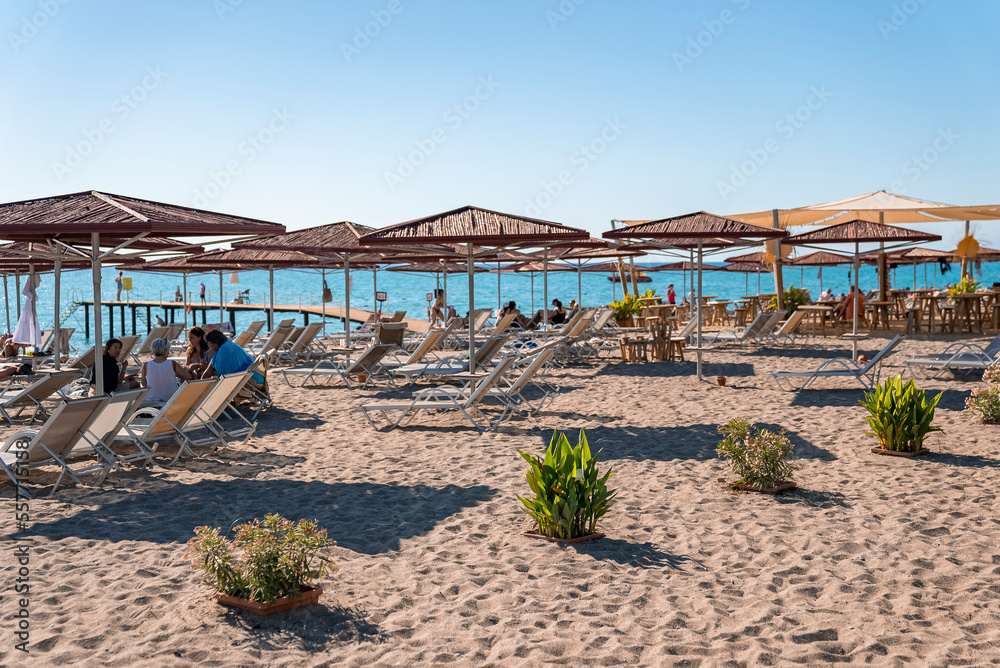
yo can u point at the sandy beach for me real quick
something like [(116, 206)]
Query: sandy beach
[(872, 561)]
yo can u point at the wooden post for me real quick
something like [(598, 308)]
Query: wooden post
[(86, 321), (779, 283)]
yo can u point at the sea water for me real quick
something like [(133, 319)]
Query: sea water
[(409, 291)]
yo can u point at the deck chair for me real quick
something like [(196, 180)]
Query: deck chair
[(841, 367), (147, 426), (787, 332), (368, 364), (451, 365), (298, 347), (48, 342), (503, 323), (33, 395), (482, 316), (145, 349), (272, 342), (219, 402), (248, 334), (753, 333), (432, 401), (391, 333), (100, 435), (174, 330), (967, 357), (510, 392), (426, 345), (398, 316), (128, 345), (53, 443), (84, 362)]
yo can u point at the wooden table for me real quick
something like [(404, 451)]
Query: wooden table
[(817, 315), (970, 311), (718, 313), (880, 311)]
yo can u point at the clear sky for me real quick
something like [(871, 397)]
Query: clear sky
[(580, 111)]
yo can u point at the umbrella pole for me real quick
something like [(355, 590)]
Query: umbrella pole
[(532, 275), (854, 339), (57, 330), (222, 317), (347, 301), (95, 270), (579, 283), (17, 293), (375, 306), (6, 302), (184, 279), (444, 280), (498, 284), (472, 318), (322, 300), (270, 304), (699, 309), (545, 286)]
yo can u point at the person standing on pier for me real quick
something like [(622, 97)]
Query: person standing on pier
[(202, 292), (119, 281)]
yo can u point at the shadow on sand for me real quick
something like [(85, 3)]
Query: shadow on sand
[(640, 555), (821, 397), (313, 628), (696, 441), (362, 517)]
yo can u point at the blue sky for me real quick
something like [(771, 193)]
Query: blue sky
[(573, 111)]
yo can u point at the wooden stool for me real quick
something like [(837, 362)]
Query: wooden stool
[(913, 320), (635, 350)]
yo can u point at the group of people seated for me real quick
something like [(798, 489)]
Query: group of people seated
[(557, 314), (208, 354)]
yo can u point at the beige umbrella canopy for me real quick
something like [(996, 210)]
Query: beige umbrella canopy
[(879, 206)]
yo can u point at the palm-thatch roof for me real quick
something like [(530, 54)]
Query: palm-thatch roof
[(699, 225), (479, 227), (330, 239), (860, 231), (820, 259), (83, 213), (436, 268)]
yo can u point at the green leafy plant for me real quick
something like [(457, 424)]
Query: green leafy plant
[(900, 415), (570, 494), (794, 298), (266, 560), (984, 403), (760, 457), (964, 286), (629, 305)]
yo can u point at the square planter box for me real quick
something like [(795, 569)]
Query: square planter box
[(552, 539), (894, 453), (310, 595), (769, 490)]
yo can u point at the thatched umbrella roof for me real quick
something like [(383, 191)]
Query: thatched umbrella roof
[(820, 259), (694, 226), (323, 240), (120, 216), (753, 258), (479, 227), (436, 267), (860, 231), (536, 267)]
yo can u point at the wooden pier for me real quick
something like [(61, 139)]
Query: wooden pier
[(209, 313)]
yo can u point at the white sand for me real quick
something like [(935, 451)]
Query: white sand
[(875, 560)]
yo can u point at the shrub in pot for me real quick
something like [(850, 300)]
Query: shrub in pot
[(761, 458), (570, 494), (266, 560), (984, 403), (900, 415)]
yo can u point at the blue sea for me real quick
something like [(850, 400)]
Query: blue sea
[(408, 291)]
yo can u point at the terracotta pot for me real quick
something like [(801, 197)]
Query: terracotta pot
[(895, 453), (362, 378), (310, 595), (625, 322), (768, 490), (721, 380), (551, 539)]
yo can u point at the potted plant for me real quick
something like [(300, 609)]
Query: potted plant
[(761, 458), (963, 287), (794, 298), (985, 402), (900, 416), (625, 309), (570, 494), (269, 566)]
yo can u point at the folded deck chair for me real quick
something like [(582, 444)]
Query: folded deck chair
[(53, 443), (841, 367), (148, 426), (956, 357), (33, 395), (368, 364), (429, 400), (753, 333)]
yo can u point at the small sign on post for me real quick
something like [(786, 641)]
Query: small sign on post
[(381, 298)]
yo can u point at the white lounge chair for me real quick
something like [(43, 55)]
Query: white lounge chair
[(33, 395), (248, 335), (148, 426), (787, 332), (841, 367), (957, 356), (53, 443), (368, 364), (430, 400), (753, 333)]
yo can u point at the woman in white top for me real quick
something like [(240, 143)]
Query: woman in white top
[(160, 375)]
